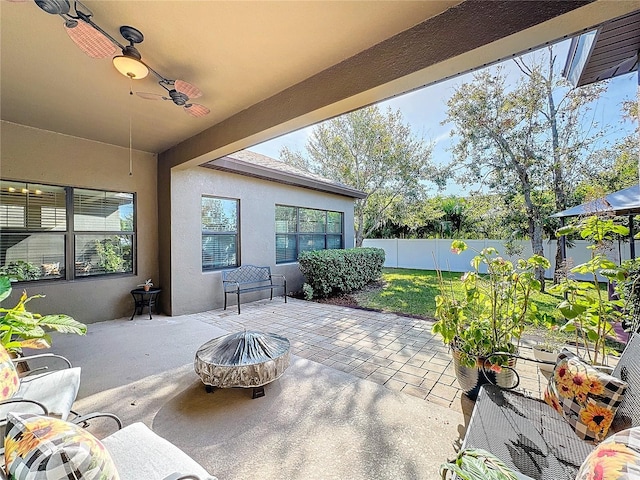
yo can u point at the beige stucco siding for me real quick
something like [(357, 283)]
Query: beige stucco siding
[(194, 290), (38, 156)]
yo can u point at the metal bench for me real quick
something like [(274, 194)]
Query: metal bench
[(250, 278), (532, 438)]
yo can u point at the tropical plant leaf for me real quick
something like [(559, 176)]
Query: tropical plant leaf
[(63, 323), (478, 464), (571, 310), (5, 287), (35, 343)]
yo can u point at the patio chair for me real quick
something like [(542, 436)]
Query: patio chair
[(531, 437), (45, 388), (138, 453), (56, 448)]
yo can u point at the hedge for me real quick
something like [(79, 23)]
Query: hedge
[(331, 272)]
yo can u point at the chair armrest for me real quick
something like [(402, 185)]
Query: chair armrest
[(180, 476), (17, 361), (45, 410), (83, 420)]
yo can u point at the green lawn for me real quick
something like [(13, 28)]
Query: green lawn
[(413, 292)]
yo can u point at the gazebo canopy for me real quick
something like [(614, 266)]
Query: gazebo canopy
[(622, 202)]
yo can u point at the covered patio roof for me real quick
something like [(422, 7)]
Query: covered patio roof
[(622, 202)]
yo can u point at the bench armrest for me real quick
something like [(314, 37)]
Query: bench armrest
[(278, 275)]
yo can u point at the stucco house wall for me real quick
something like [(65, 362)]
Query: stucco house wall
[(193, 290), (32, 155)]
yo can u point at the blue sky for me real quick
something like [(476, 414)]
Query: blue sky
[(425, 109)]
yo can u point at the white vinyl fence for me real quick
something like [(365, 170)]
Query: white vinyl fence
[(431, 254)]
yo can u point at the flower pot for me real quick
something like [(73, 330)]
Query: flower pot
[(146, 287), (472, 378), (542, 353)]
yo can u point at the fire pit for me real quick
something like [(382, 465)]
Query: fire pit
[(247, 359)]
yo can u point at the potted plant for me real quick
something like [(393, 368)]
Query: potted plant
[(589, 312), (489, 315), (550, 345), (20, 328), (146, 285), (476, 464)]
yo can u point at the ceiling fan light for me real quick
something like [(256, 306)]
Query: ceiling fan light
[(130, 67)]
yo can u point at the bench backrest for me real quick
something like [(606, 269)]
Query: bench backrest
[(247, 274), (628, 369)]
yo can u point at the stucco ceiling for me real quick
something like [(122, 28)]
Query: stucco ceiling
[(237, 52), (255, 60)]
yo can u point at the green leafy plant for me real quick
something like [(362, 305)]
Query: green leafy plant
[(494, 309), (589, 312), (477, 464), (630, 290), (308, 291), (329, 272), (109, 256), (20, 328), (21, 270)]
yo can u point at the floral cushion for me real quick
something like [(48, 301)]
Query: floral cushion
[(617, 458), (585, 397), (45, 448), (9, 380)]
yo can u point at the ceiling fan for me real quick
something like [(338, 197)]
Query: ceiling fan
[(97, 43), (180, 92)]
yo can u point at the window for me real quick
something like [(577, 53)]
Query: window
[(304, 229), (220, 239), (53, 232), (103, 223)]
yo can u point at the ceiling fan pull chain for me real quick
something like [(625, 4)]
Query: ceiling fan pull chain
[(130, 141)]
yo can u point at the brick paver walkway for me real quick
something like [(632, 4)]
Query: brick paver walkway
[(398, 352)]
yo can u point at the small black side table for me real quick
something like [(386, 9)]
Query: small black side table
[(144, 298)]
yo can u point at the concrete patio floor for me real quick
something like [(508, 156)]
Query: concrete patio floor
[(367, 395)]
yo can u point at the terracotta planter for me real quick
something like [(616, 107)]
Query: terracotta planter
[(146, 287), (472, 378)]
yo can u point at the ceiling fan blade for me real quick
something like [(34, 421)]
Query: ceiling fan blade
[(90, 40), (151, 96), (197, 110), (189, 90)]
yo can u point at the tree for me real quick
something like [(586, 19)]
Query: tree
[(497, 131), (372, 151), (568, 134), (526, 139)]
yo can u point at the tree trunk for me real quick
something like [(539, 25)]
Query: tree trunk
[(534, 224), (358, 224), (557, 168)]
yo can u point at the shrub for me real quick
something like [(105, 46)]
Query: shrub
[(331, 272), (308, 291), (21, 271)]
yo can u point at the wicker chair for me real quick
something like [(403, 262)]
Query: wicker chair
[(531, 437)]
